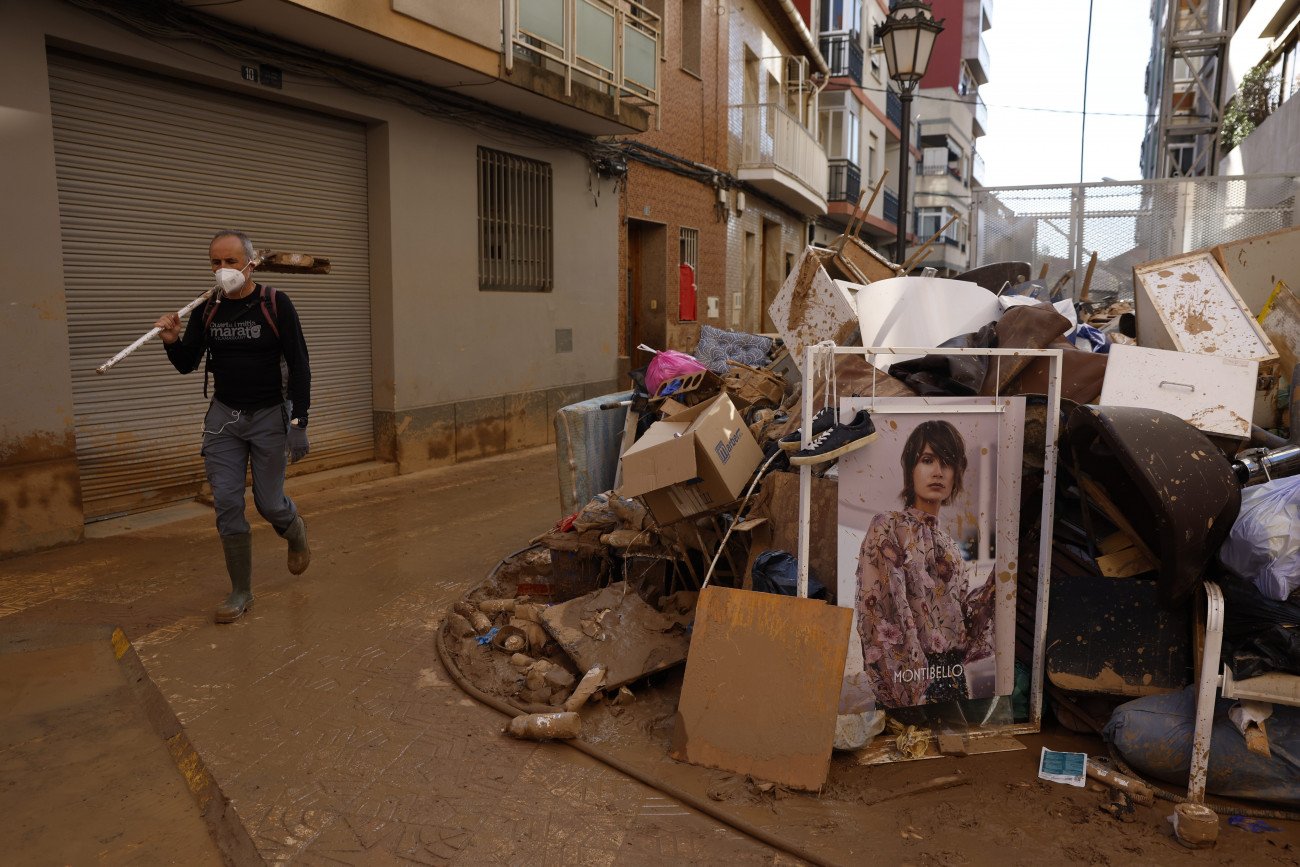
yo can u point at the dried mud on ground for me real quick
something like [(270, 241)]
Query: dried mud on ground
[(988, 809)]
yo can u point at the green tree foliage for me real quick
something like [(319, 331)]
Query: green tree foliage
[(1257, 97)]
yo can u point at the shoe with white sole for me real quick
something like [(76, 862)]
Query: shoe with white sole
[(838, 440), (822, 421)]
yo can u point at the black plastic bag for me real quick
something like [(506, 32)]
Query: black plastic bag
[(1259, 634), (777, 572)]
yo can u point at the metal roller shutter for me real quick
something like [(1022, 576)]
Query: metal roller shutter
[(148, 170)]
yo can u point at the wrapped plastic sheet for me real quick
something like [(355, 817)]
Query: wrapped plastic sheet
[(1154, 735), (587, 440)]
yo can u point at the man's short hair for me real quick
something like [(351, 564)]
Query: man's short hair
[(249, 252)]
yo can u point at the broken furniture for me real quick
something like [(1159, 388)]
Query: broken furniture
[(1215, 679), (1162, 482), (1187, 304), (1210, 392)]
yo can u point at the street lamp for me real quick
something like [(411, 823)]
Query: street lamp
[(908, 35)]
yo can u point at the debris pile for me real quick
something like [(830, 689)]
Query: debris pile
[(683, 539)]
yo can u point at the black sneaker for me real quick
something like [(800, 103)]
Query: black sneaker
[(839, 440), (822, 421)]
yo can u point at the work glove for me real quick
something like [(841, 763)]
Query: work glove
[(297, 446)]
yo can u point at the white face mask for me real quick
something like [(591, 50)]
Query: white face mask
[(230, 280)]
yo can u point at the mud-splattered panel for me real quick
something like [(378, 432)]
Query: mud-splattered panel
[(1213, 394), (811, 308), (1187, 304), (762, 686)]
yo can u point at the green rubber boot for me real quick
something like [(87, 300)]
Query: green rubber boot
[(239, 563), (299, 553)]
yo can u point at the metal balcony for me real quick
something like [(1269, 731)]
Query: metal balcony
[(890, 208), (610, 46), (843, 55), (781, 157), (894, 109), (845, 182)]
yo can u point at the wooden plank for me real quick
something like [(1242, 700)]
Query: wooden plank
[(1125, 564), (867, 262), (761, 691)]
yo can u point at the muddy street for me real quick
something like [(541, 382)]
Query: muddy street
[(323, 729)]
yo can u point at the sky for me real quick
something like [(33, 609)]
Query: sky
[(1035, 93)]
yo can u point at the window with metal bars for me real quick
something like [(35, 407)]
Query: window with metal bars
[(689, 244), (515, 233)]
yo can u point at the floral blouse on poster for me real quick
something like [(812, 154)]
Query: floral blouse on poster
[(910, 602)]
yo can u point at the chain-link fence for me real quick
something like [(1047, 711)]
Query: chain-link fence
[(1125, 223)]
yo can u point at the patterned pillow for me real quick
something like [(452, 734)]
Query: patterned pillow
[(717, 346)]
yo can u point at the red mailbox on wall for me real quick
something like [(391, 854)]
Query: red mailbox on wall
[(686, 294)]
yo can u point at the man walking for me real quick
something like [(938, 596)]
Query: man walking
[(254, 348)]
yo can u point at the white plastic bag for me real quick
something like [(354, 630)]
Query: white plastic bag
[(1264, 543)]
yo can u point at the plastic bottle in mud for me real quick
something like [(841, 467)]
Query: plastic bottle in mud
[(538, 726)]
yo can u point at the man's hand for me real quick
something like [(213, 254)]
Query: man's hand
[(297, 446), (171, 327)]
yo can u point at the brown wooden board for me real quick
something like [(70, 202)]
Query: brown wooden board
[(867, 261), (615, 627), (761, 691)]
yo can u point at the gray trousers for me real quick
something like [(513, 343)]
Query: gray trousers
[(232, 442)]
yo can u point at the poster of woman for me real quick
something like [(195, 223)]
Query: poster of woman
[(928, 515)]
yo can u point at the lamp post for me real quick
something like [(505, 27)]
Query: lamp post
[(908, 35)]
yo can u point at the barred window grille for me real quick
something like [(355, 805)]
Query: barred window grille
[(690, 248), (515, 233)]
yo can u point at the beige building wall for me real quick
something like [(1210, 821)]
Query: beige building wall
[(763, 240), (458, 373)]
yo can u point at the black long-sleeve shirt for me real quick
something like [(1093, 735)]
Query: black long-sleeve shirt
[(246, 372)]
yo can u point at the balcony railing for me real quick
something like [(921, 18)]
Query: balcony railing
[(845, 181), (978, 59), (894, 108), (977, 168), (981, 115), (611, 46), (843, 55), (773, 138), (890, 208)]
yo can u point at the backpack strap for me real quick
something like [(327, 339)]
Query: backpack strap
[(209, 311), (269, 311)]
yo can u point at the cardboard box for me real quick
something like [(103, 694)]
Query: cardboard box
[(699, 459)]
